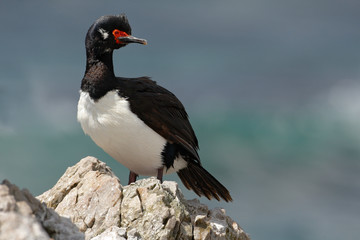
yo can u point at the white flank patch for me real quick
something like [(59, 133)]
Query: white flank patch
[(119, 132), (104, 33)]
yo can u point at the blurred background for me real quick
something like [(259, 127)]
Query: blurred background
[(272, 89)]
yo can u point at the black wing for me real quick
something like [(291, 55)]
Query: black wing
[(160, 110), (164, 113)]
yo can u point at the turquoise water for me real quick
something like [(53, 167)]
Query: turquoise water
[(272, 91)]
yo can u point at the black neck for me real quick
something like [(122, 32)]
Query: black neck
[(99, 75), (105, 59)]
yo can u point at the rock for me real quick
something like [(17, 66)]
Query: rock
[(91, 196), (23, 217), (213, 224), (112, 233), (155, 211)]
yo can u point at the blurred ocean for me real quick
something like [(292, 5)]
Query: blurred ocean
[(272, 90)]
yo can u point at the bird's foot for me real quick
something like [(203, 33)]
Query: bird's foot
[(160, 174), (132, 177)]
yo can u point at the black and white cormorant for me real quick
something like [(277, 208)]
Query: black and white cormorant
[(137, 122)]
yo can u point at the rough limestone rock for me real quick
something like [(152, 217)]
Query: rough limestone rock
[(91, 196), (23, 217)]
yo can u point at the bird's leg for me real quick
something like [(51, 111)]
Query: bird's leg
[(132, 177), (160, 174)]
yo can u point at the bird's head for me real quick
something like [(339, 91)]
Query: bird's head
[(109, 33)]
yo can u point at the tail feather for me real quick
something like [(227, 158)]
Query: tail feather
[(196, 178)]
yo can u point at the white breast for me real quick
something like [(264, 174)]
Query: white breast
[(119, 132)]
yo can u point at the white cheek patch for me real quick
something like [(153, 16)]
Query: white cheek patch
[(104, 33)]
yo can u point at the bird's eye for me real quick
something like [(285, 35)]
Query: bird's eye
[(117, 33)]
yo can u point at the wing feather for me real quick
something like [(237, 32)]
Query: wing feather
[(162, 111)]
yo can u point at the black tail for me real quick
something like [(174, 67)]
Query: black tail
[(196, 178)]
